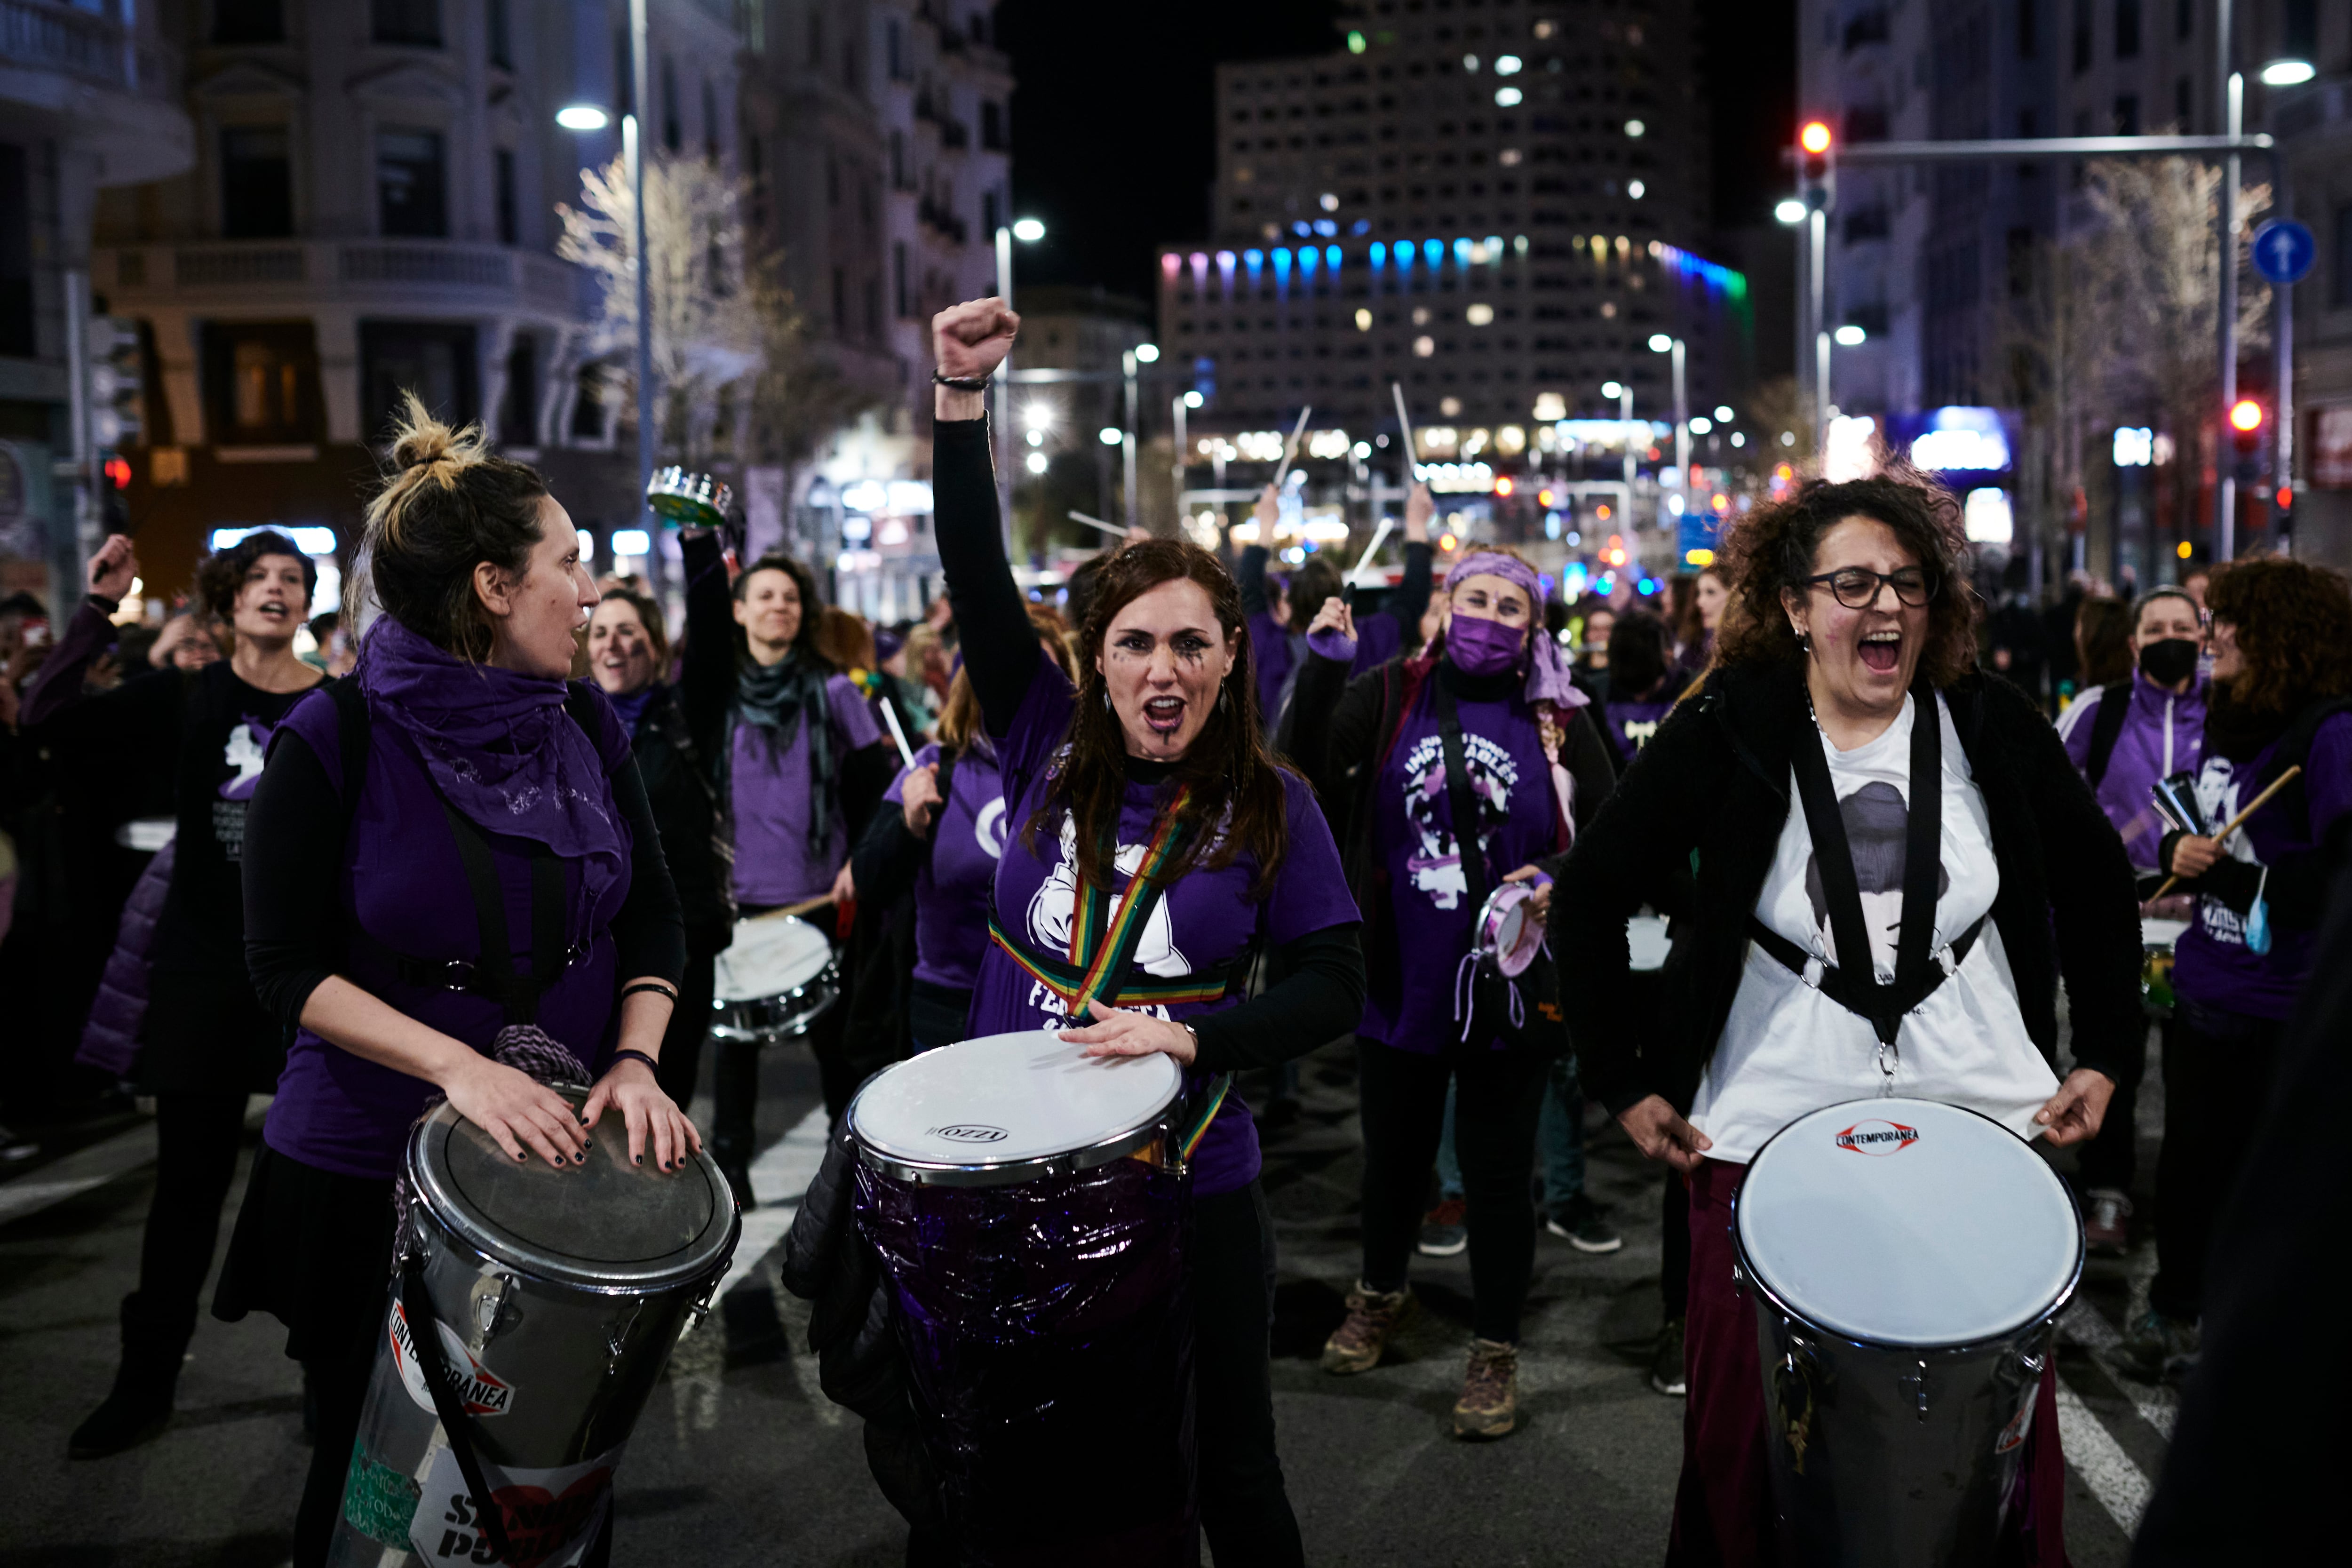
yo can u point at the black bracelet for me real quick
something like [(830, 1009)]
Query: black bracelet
[(654, 986), (962, 383), (651, 1066)]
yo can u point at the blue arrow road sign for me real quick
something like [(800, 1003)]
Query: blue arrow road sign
[(2283, 251)]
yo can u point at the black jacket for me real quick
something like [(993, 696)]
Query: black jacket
[(1337, 732), (677, 744), (1712, 788)]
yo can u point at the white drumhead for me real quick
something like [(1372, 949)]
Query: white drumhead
[(1006, 1098), (2154, 933), (1908, 1222), (1645, 936), (769, 955)]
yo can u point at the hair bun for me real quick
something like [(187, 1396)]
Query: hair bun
[(421, 441)]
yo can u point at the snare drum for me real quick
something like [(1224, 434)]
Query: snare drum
[(557, 1295), (1907, 1261), (1506, 932), (1031, 1209), (772, 981), (2156, 939), (688, 501)]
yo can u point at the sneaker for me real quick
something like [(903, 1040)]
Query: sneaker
[(135, 1411), (1579, 1220), (2107, 1221), (2157, 1347), (1489, 1406), (1373, 1316), (1668, 1374), (1442, 1233)]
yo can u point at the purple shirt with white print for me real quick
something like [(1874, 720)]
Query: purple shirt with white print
[(951, 890), (1205, 919)]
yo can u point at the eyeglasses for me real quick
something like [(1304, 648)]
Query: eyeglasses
[(1857, 587)]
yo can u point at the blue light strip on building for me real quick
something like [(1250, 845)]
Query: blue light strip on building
[(1720, 279)]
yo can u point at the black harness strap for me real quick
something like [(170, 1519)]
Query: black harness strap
[(1461, 799), (494, 975), (425, 1339), (1858, 989)]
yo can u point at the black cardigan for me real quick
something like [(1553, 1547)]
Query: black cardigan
[(1710, 793)]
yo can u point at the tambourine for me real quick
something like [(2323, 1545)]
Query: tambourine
[(1506, 930), (688, 501)]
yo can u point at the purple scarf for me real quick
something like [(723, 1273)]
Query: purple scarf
[(499, 747), (1548, 677)]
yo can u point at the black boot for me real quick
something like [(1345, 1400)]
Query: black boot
[(140, 1405)]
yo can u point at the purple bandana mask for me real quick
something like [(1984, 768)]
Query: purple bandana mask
[(1548, 677), (1481, 647)]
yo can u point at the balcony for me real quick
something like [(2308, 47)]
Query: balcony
[(1865, 27), (92, 50), (111, 87), (402, 274)]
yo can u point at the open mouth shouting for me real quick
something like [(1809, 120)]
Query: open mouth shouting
[(1165, 715), (1881, 651)]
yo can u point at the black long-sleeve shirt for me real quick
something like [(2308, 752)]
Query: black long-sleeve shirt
[(1322, 996)]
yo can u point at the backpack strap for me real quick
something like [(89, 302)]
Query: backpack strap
[(351, 725), (2294, 751), (2107, 729)]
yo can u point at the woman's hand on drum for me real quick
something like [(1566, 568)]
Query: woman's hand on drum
[(1540, 905), (920, 792), (2075, 1111), (651, 1116), (1661, 1134), (516, 1110), (1117, 1032)]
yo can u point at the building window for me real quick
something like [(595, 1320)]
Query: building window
[(2184, 104), (2027, 18), (893, 38), (248, 22), (519, 410), (897, 160), (2339, 291), (17, 339), (588, 405), (410, 198), (2184, 19), (257, 182), (416, 22), (501, 39), (2126, 114), (433, 360), (2082, 35), (673, 127), (991, 126), (873, 309), (261, 383), (2126, 30), (625, 74), (990, 221), (898, 279), (711, 138), (510, 229), (840, 302)]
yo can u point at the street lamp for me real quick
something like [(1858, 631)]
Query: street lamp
[(1851, 336), (1623, 393), (582, 117), (2288, 71), (1663, 343), (1028, 231), (1790, 210)]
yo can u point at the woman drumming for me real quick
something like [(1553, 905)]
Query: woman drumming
[(1486, 714), (942, 841), (2282, 696), (457, 756), (2124, 737), (1161, 735), (1843, 676), (799, 754), (673, 732), (205, 1041)]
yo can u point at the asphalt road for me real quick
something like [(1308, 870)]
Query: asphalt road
[(742, 1460)]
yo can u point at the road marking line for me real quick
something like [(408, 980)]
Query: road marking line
[(79, 1171), (780, 1177), (2118, 1484), (2088, 1326)]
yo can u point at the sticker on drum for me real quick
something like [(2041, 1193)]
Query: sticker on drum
[(550, 1515), (480, 1390), (1950, 1231), (1005, 1107)]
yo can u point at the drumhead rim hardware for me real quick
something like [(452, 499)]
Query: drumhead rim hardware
[(1744, 1263), (689, 500)]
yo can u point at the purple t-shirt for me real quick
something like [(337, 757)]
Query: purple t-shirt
[(1630, 725), (2163, 735), (1205, 919), (773, 864), (1519, 821), (405, 887), (951, 890), (2213, 965), (1270, 659)]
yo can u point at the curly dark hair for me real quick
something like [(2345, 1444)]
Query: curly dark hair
[(2293, 623), (808, 642), (1238, 805), (1773, 547), (220, 574)]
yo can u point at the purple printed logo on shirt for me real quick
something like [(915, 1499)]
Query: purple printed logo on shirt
[(1436, 864), (247, 747)]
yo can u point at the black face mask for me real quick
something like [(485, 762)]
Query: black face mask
[(2169, 662)]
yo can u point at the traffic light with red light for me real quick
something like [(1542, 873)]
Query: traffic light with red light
[(1814, 143)]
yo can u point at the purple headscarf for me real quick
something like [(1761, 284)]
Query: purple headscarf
[(498, 747), (1548, 677)]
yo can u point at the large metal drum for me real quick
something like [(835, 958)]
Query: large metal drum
[(1907, 1261), (559, 1295), (1030, 1206), (773, 980)]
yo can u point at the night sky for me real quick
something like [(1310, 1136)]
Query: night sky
[(1114, 141)]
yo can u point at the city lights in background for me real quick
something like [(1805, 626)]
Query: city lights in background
[(1508, 97), (581, 117), (1037, 418), (1028, 231), (1851, 336), (1110, 436), (1146, 353), (2245, 414), (1037, 462), (1635, 128), (1723, 414), (1814, 138), (1790, 210), (631, 541), (2288, 73), (2184, 550), (310, 541), (2134, 446), (1193, 400), (1985, 515)]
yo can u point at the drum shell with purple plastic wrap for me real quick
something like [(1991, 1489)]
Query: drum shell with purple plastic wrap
[(1030, 1210)]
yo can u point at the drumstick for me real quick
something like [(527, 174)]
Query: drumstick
[(1112, 529), (2238, 821), (897, 733), (805, 907), (1290, 450), (1347, 588), (1404, 423)]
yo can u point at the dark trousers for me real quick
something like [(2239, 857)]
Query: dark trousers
[(2217, 1068), (1245, 1509), (690, 1022), (2110, 1161), (936, 1014), (197, 1139), (1722, 1505), (339, 1387), (1675, 1249), (1498, 1096), (735, 1073)]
